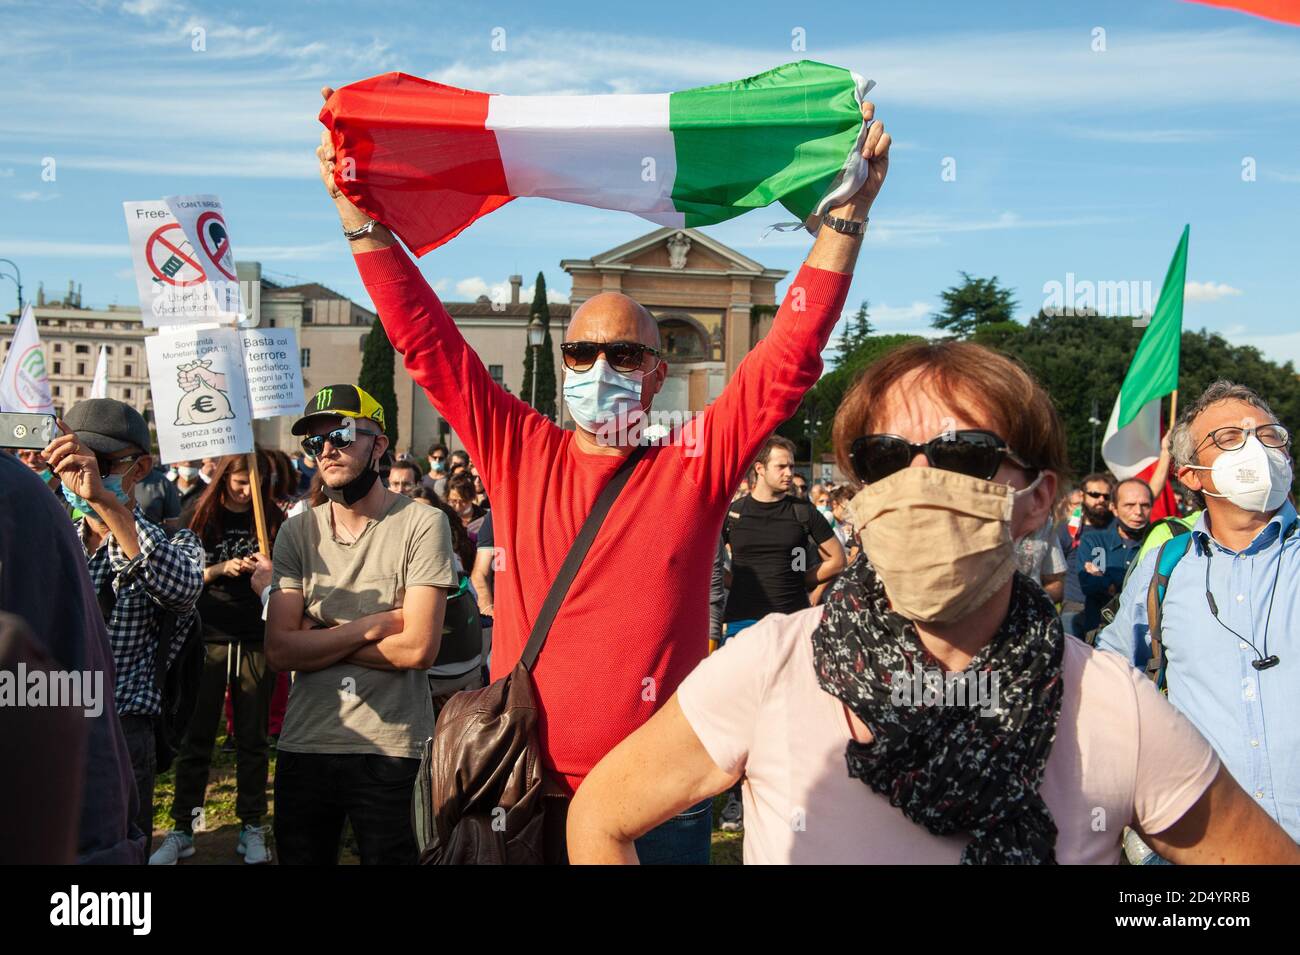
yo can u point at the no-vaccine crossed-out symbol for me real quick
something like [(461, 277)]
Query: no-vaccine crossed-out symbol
[(171, 258), (215, 241)]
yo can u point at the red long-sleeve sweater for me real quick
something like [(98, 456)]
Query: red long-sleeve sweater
[(635, 621)]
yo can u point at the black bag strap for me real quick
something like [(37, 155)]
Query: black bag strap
[(577, 552)]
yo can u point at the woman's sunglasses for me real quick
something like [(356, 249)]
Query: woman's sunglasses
[(622, 356), (975, 453), (341, 437)]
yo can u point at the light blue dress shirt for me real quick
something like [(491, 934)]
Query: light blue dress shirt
[(1251, 717)]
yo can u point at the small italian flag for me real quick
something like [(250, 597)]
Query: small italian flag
[(1131, 446), (427, 159)]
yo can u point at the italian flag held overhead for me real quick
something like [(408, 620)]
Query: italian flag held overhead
[(427, 159), (1131, 446)]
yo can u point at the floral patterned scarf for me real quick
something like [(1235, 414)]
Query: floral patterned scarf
[(948, 767)]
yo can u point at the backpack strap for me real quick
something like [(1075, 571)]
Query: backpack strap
[(1167, 558), (577, 551)]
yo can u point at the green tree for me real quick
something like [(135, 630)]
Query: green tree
[(857, 330), (823, 399), (546, 389), (974, 303), (377, 377)]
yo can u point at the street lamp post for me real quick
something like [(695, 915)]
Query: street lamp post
[(811, 426), (17, 279), (536, 333)]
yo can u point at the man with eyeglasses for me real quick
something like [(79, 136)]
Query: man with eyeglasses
[(358, 592), (436, 479), (1098, 489), (1228, 626), (635, 621), (142, 577)]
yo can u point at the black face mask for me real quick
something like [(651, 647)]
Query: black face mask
[(356, 489)]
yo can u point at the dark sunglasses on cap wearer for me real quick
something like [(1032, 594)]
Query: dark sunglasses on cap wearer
[(340, 437), (107, 464), (622, 356), (975, 453)]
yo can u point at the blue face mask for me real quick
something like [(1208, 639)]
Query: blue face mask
[(600, 395), (112, 483)]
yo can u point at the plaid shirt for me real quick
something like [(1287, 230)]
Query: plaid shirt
[(166, 575)]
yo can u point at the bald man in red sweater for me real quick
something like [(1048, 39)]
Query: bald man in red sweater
[(635, 620)]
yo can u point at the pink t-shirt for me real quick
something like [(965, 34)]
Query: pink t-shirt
[(1121, 753)]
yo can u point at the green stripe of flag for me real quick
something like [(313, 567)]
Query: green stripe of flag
[(781, 135), (1154, 370)]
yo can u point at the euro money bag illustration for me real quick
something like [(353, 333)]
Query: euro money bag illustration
[(204, 398)]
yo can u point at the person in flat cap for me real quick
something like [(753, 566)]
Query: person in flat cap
[(146, 582)]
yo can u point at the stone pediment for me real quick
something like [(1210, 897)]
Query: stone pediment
[(670, 250)]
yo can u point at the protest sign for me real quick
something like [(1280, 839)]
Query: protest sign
[(273, 372), (169, 276), (200, 395), (204, 223)]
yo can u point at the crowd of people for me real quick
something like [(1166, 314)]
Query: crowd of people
[(949, 655)]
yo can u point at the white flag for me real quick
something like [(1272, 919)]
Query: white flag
[(99, 387), (24, 386)]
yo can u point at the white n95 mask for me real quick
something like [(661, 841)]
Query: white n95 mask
[(1253, 477)]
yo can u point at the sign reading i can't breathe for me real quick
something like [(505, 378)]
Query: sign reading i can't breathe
[(274, 374), (169, 274), (204, 223), (200, 395)]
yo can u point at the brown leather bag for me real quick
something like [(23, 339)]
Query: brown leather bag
[(479, 793)]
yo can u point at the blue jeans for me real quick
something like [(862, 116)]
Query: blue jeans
[(685, 839)]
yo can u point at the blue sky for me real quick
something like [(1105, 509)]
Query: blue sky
[(1068, 159)]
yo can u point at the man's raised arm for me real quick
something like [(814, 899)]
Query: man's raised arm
[(435, 353), (777, 373)]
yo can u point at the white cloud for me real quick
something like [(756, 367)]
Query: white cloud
[(881, 315), (1208, 291), (970, 71)]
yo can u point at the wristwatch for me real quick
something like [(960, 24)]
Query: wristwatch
[(846, 226), (354, 234)]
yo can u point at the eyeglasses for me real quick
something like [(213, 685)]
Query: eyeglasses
[(1097, 495), (974, 453), (106, 464), (622, 356), (1232, 438), (340, 438)]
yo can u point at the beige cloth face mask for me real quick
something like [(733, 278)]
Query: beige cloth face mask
[(940, 541)]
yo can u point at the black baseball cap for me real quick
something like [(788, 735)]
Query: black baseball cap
[(346, 401), (107, 426)]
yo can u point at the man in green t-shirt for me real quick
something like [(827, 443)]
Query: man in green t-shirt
[(358, 595)]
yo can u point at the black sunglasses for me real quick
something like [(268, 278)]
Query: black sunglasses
[(622, 356), (340, 438), (975, 453), (1097, 495)]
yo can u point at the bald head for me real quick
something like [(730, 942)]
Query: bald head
[(613, 317)]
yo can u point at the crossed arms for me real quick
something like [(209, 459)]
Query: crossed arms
[(407, 638)]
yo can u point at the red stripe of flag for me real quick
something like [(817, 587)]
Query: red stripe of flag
[(408, 137), (1284, 11)]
